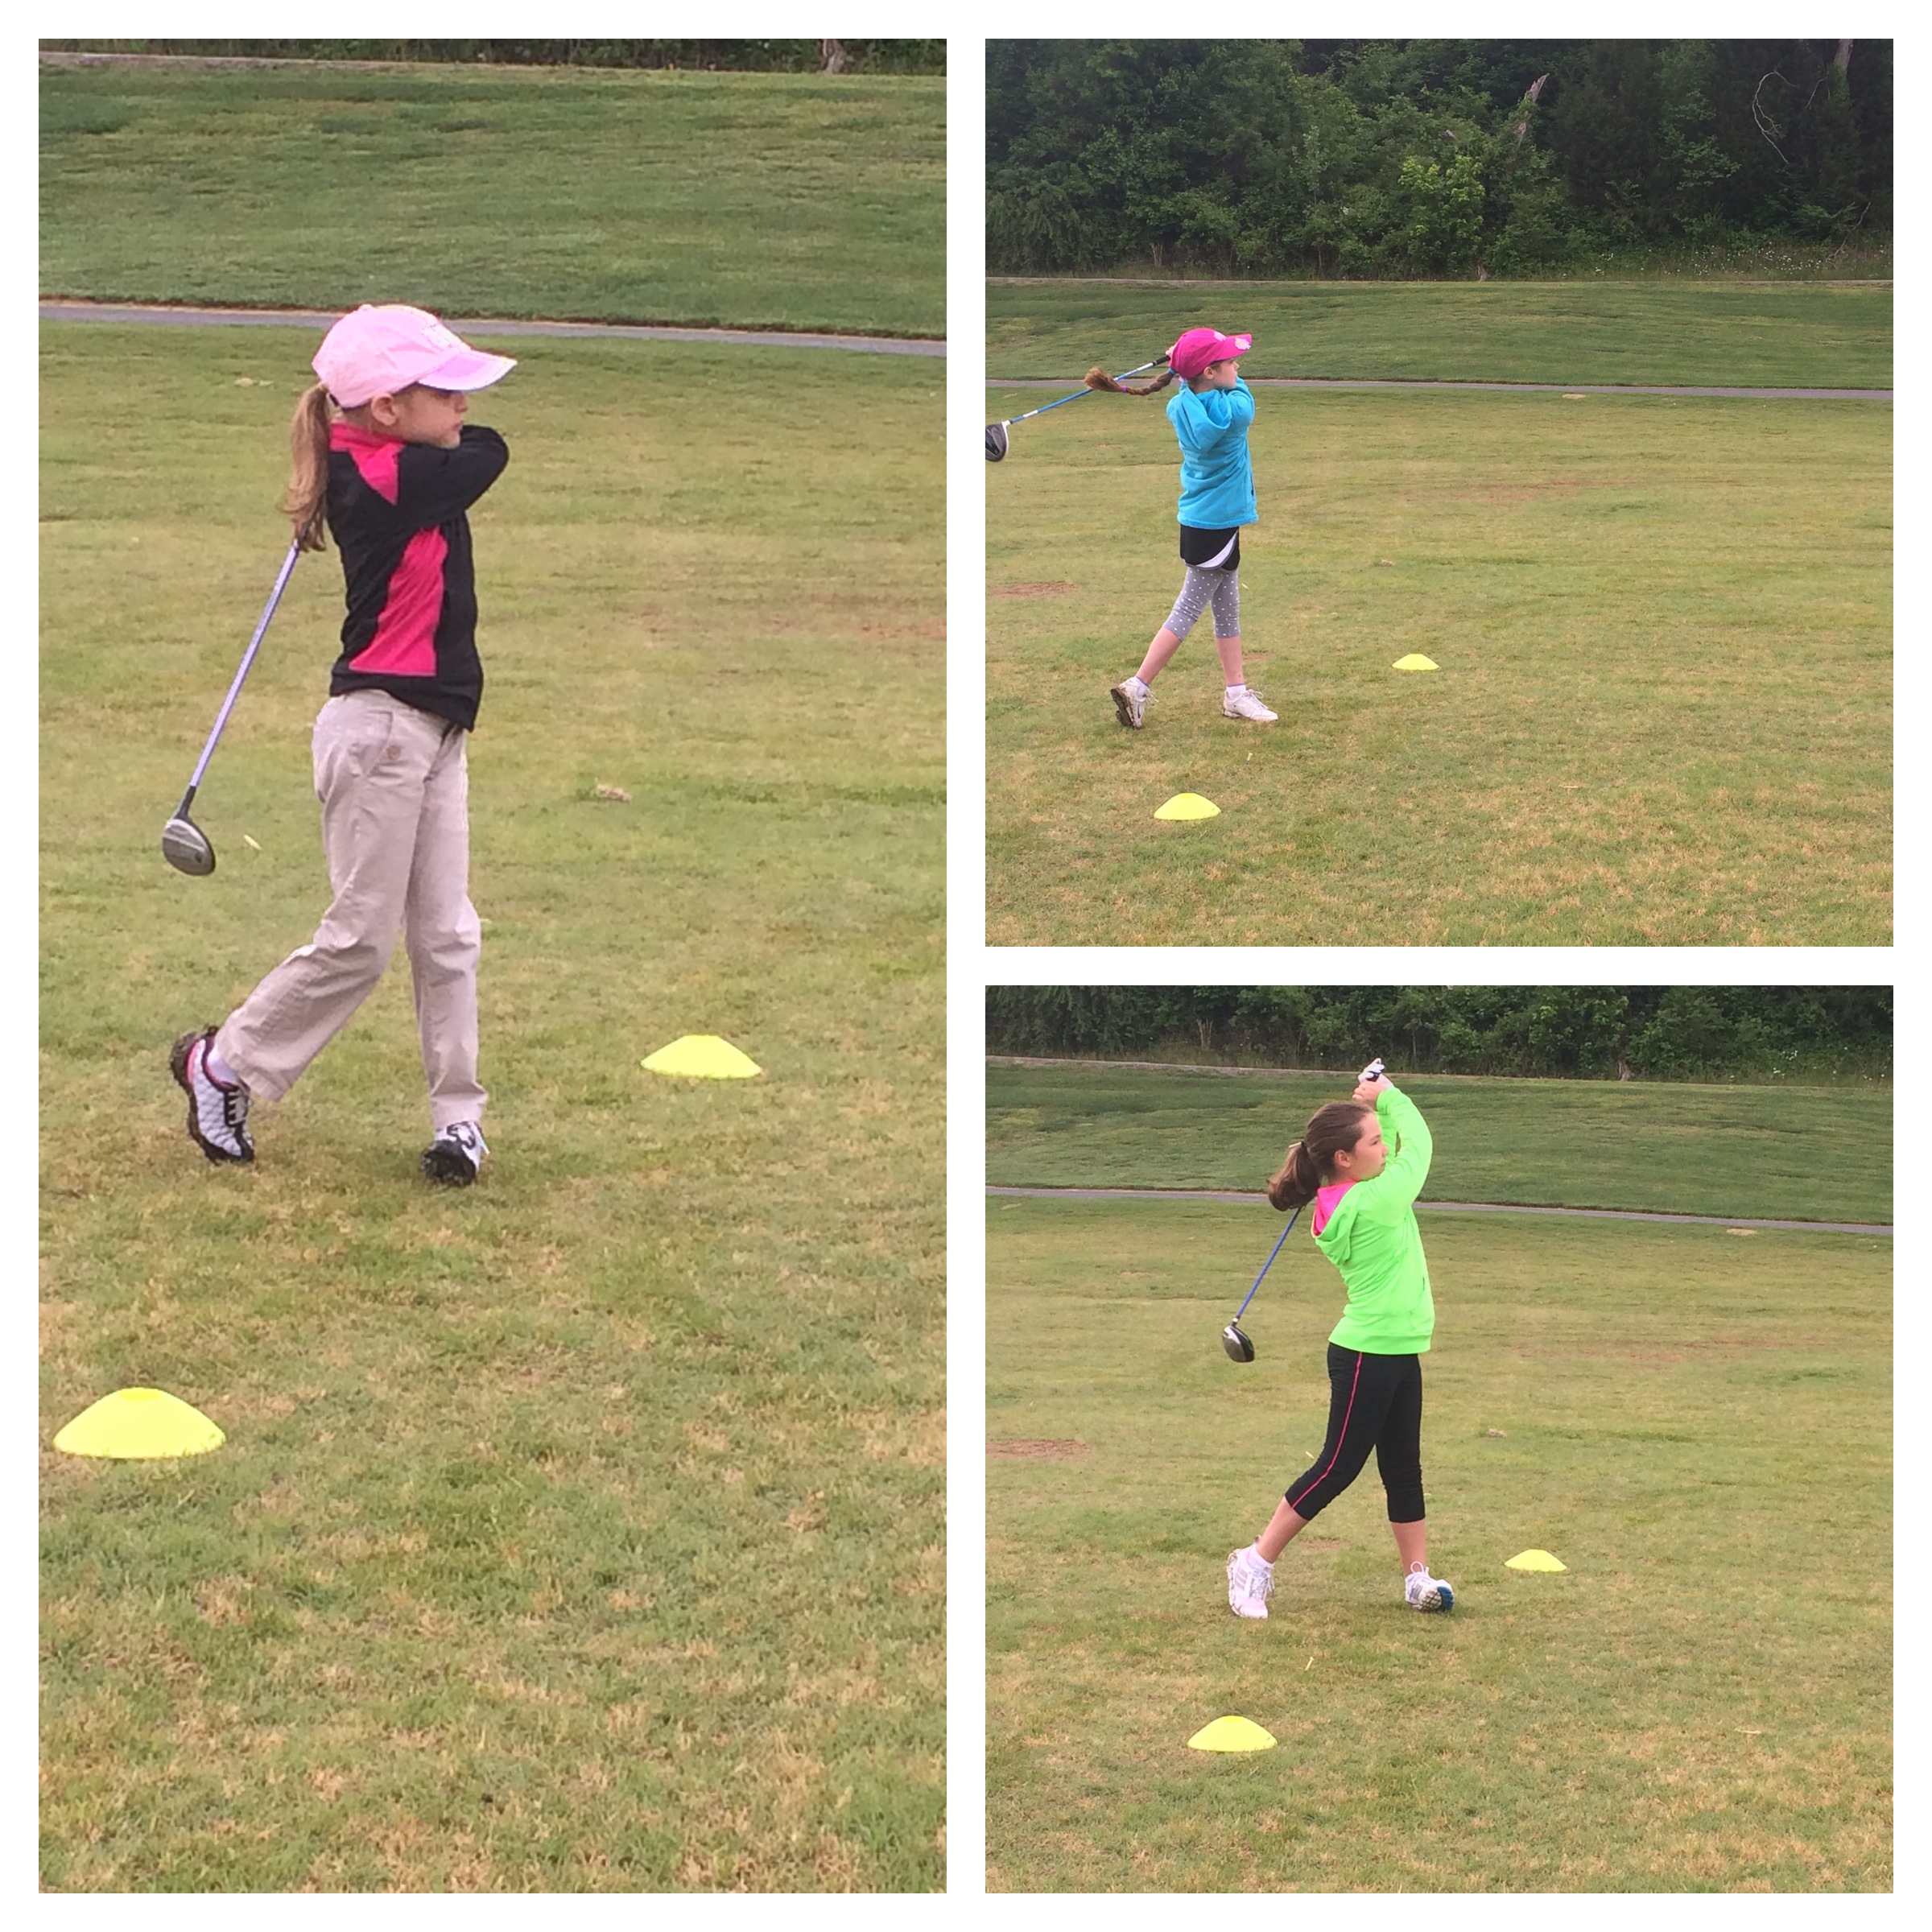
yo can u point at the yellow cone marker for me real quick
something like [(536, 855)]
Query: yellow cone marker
[(1415, 661), (1188, 805), (1535, 1559), (1231, 1733), (702, 1056), (138, 1424)]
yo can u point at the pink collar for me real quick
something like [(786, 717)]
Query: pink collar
[(346, 435), (1327, 1199)]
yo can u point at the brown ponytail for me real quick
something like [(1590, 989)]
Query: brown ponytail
[(1332, 1130), (308, 493), (1098, 378)]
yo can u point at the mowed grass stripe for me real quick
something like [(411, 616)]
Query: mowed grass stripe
[(1653, 1405), (758, 201), (1662, 715), (1763, 335), (583, 1531), (1773, 1152)]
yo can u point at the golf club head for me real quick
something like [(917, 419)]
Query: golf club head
[(996, 442), (1239, 1348), (185, 846)]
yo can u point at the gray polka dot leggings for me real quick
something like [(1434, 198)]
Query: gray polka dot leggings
[(1220, 589)]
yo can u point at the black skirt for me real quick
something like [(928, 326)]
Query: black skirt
[(1211, 549)]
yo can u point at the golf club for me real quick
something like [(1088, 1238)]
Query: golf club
[(183, 843), (996, 432), (1240, 1348)]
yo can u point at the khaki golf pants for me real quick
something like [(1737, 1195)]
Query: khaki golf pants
[(394, 786)]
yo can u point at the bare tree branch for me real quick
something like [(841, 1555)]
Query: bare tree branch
[(1766, 126)]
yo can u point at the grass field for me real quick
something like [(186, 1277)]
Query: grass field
[(761, 201), (582, 1531), (1703, 1703), (1785, 336), (1662, 715), (1761, 1153)]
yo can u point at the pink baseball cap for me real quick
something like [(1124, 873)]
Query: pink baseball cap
[(1200, 346), (379, 351)]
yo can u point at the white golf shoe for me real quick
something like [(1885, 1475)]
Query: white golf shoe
[(1131, 702), (454, 1157), (1427, 1592), (217, 1110), (1245, 704), (1250, 1583)]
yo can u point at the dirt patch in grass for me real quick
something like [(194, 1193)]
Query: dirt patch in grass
[(1049, 589), (1048, 1450)]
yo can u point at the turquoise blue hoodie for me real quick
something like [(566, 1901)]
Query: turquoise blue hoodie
[(1217, 480)]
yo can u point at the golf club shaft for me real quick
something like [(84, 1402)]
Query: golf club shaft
[(234, 689), (1268, 1263), (1155, 364)]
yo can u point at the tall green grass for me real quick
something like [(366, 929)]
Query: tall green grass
[(1697, 1426), (763, 200), (581, 1531), (1787, 336)]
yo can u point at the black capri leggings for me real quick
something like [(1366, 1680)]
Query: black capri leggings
[(1375, 1402)]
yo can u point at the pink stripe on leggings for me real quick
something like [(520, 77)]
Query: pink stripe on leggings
[(1343, 1437)]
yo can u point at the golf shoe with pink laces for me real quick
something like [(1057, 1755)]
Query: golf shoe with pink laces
[(217, 1110)]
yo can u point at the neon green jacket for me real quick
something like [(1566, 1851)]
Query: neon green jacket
[(1369, 1232)]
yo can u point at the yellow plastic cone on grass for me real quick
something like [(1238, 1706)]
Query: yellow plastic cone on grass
[(1188, 805), (1231, 1733), (1415, 661), (138, 1425), (702, 1056), (1536, 1559)]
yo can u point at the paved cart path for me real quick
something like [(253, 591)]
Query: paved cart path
[(167, 315), (1593, 1214), (1561, 389)]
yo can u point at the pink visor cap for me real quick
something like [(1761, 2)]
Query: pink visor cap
[(1200, 346), (380, 351)]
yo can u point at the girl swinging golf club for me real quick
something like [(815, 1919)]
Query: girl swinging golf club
[(384, 460), (1364, 1222), (1210, 416)]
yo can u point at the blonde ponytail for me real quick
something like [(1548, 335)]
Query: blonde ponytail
[(307, 496)]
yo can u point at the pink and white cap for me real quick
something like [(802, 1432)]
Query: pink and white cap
[(1200, 346), (379, 351)]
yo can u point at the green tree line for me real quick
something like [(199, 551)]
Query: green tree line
[(1752, 1033), (742, 57), (1427, 157)]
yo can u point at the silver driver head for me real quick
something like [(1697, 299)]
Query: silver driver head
[(185, 846)]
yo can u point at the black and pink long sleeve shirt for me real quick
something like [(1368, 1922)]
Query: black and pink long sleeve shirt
[(397, 511)]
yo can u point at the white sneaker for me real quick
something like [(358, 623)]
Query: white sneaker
[(456, 1155), (1250, 1583), (1131, 702), (218, 1112), (1427, 1592), (1244, 704)]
